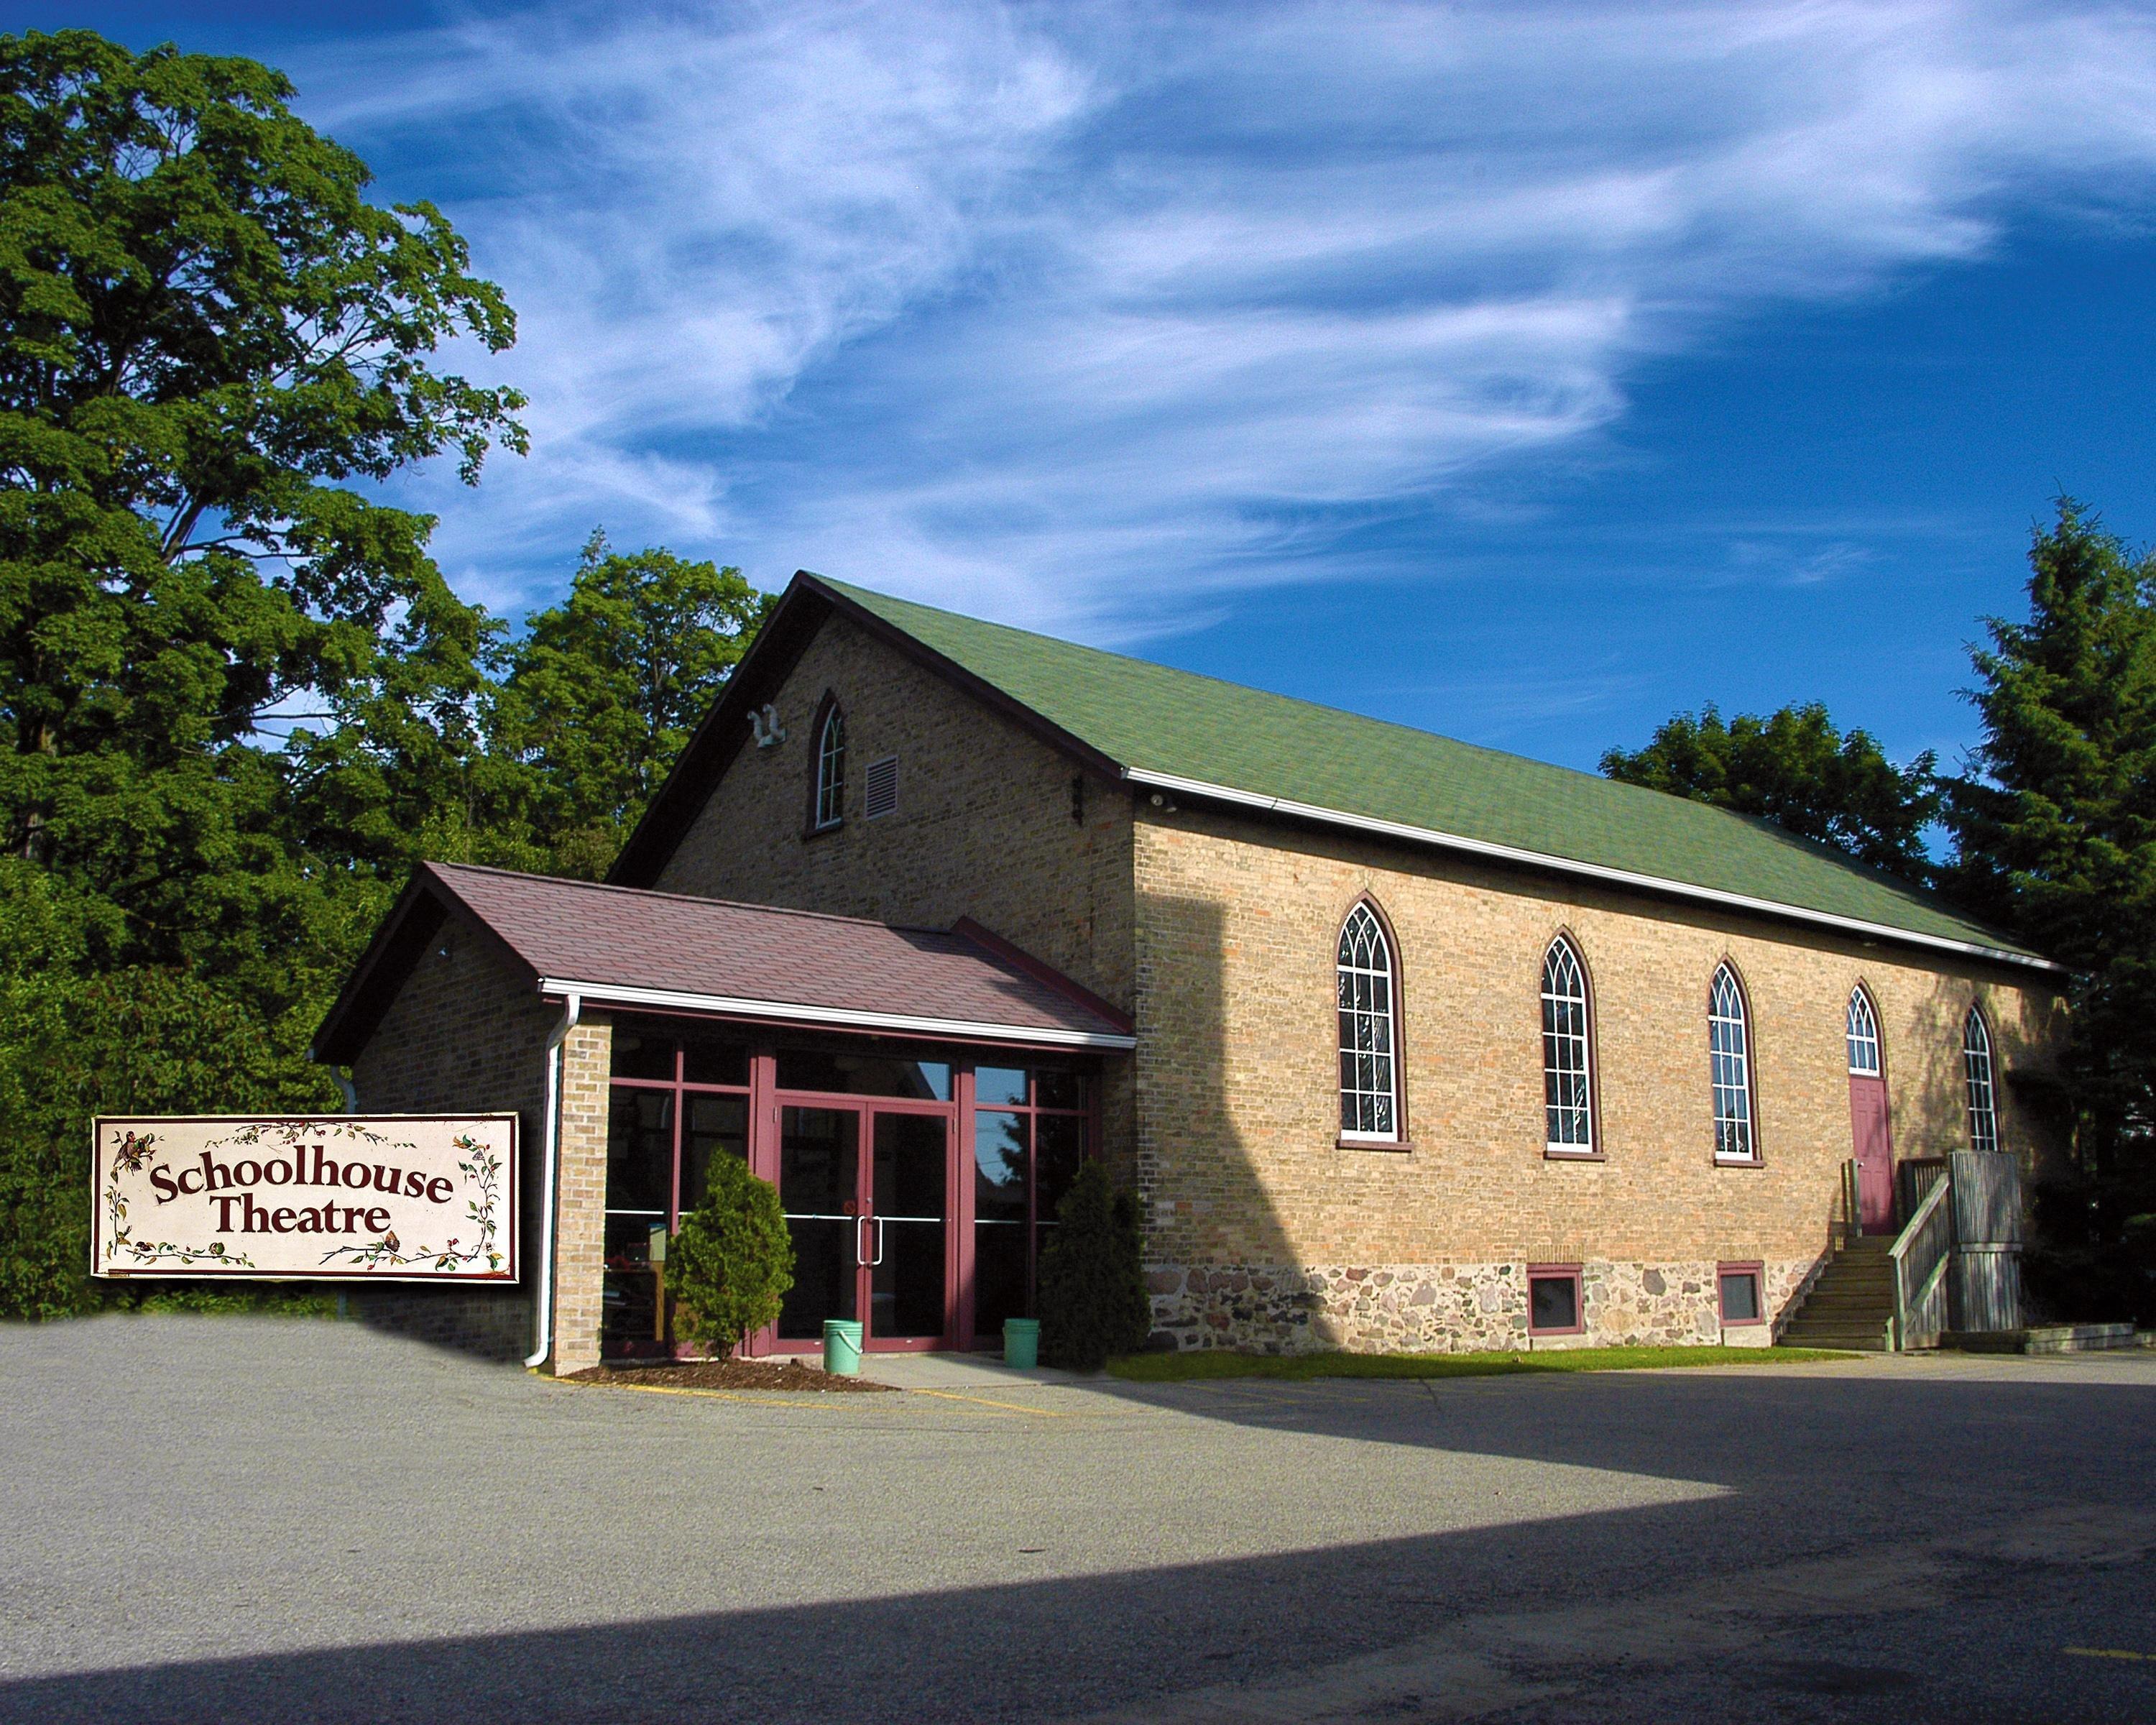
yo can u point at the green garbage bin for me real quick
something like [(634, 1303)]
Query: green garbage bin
[(842, 1347), (1022, 1342)]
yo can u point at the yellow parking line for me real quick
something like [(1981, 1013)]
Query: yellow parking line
[(761, 1398), (952, 1395), (2111, 1653)]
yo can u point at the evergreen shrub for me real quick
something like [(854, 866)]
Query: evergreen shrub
[(729, 1265), (1093, 1302)]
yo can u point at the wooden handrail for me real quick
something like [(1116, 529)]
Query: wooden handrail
[(1906, 1238), (1916, 1308)]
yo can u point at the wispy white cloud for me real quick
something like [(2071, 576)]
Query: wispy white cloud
[(1086, 316)]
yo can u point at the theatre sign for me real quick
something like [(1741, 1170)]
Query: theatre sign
[(381, 1197)]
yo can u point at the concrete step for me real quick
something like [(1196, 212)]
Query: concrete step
[(1857, 1341)]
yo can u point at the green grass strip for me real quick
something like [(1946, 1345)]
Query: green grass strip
[(1218, 1363)]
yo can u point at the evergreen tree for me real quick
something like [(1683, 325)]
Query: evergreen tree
[(2056, 832), (1093, 1298), (731, 1262)]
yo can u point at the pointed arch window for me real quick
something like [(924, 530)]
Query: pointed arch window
[(1976, 1064), (1729, 1048), (830, 801), (1369, 1062), (1567, 1054), (1864, 1061)]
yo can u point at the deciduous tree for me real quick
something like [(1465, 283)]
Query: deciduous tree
[(1796, 768)]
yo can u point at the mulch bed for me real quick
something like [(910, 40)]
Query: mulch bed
[(724, 1374)]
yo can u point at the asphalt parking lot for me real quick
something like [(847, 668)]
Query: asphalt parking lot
[(270, 1520)]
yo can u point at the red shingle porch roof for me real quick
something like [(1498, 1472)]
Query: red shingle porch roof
[(627, 947)]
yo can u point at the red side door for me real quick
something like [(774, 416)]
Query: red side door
[(1873, 1148)]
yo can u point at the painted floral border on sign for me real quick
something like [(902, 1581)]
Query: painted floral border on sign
[(480, 1161), (484, 1167), (131, 1157)]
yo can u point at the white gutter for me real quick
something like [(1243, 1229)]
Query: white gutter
[(550, 1136), (1592, 871), (792, 1012)]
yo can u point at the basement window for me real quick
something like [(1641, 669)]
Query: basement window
[(1740, 1294), (880, 788), (1554, 1306)]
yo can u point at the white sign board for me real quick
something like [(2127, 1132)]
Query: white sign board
[(367, 1197)]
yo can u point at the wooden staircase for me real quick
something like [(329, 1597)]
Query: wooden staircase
[(1851, 1303)]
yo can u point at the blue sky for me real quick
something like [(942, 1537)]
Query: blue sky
[(1522, 372)]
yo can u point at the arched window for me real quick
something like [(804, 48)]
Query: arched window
[(1863, 1035), (831, 805), (1567, 1057), (1729, 1045), (1976, 1064), (1369, 1066)]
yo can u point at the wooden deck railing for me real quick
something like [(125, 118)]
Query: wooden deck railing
[(1921, 1253)]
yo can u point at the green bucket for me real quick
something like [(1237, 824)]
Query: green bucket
[(1022, 1342), (842, 1347)]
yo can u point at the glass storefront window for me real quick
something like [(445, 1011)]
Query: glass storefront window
[(1026, 1152), (662, 1133), (641, 1152), (857, 1075), (1002, 1159), (710, 1126)]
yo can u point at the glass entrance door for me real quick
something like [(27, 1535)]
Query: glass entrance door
[(819, 1186), (866, 1194), (909, 1205)]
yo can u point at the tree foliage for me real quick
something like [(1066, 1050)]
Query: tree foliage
[(1093, 1298), (731, 1262), (602, 691), (209, 340), (1794, 768), (2055, 838)]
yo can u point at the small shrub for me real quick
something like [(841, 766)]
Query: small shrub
[(1093, 1299), (732, 1262)]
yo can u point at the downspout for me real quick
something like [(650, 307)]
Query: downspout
[(573, 1006), (344, 1087)]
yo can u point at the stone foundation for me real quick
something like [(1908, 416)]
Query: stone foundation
[(1441, 1308)]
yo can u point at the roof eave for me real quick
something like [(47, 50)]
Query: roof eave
[(1593, 871), (788, 1011)]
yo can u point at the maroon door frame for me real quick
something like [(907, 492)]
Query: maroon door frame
[(766, 1102)]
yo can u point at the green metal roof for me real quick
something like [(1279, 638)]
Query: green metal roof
[(1152, 718)]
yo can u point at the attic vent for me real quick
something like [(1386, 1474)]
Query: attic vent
[(879, 787)]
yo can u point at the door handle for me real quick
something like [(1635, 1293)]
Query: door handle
[(860, 1254)]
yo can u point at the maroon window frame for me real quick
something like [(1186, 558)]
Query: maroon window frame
[(679, 1088), (1758, 1271), (1034, 1111), (1557, 1272)]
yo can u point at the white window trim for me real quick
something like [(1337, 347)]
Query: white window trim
[(1976, 1021), (835, 715), (1877, 1069), (1592, 1148), (1749, 1156), (1391, 1019)]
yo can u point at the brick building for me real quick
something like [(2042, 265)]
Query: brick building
[(1402, 1043)]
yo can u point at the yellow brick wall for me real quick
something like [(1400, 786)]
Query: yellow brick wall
[(1236, 1114), (580, 1223), (463, 1036), (984, 829)]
